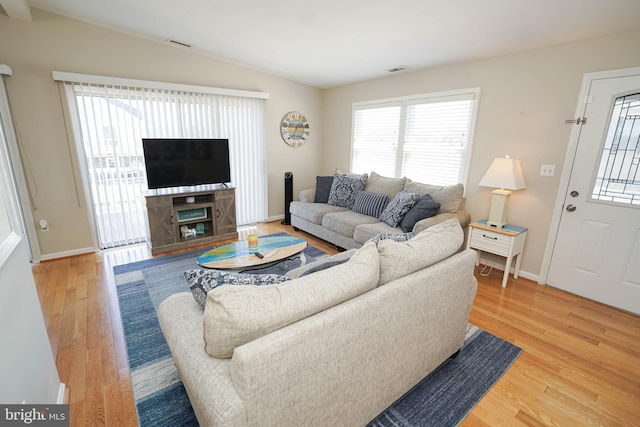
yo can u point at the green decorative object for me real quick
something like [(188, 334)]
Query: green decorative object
[(191, 214), (199, 228)]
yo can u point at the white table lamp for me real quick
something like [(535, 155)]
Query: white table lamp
[(504, 174)]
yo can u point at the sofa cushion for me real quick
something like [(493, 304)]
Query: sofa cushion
[(344, 189), (202, 281), (371, 204), (397, 259), (398, 207), (364, 232), (449, 197), (323, 187), (425, 207), (236, 315), (313, 212), (383, 185), (344, 223)]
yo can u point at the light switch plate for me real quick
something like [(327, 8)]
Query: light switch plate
[(547, 170)]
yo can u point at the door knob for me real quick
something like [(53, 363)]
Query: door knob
[(571, 208)]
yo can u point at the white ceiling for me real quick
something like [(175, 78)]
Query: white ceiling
[(328, 43)]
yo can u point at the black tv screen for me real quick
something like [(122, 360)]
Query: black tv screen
[(186, 162)]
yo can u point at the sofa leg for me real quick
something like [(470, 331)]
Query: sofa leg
[(340, 249), (296, 229), (454, 355)]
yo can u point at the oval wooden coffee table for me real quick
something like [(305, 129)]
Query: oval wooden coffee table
[(238, 255)]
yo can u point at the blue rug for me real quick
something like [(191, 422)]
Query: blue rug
[(443, 398)]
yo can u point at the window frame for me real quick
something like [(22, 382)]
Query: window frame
[(424, 98)]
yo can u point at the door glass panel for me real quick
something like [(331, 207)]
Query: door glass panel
[(618, 178)]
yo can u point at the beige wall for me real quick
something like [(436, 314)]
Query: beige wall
[(525, 100), (51, 42)]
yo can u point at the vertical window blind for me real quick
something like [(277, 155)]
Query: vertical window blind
[(109, 122), (426, 138)]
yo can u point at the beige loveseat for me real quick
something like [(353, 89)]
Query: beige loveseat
[(348, 229), (331, 348)]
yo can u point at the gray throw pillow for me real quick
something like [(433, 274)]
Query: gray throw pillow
[(398, 207), (202, 281), (344, 189), (371, 204), (425, 207), (324, 266), (323, 187)]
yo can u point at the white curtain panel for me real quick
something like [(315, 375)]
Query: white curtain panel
[(109, 122)]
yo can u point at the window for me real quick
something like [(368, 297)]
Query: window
[(618, 178), (426, 138), (111, 116)]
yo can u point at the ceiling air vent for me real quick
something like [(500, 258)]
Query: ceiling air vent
[(398, 68), (178, 43)]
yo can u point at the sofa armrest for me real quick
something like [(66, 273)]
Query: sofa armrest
[(463, 216), (308, 196)]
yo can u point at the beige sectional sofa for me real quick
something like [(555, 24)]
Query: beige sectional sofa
[(335, 347), (348, 229)]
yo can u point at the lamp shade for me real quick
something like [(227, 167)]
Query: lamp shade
[(505, 173)]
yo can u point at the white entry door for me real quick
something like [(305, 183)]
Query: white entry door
[(597, 248)]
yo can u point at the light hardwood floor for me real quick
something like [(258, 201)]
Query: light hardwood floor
[(580, 365)]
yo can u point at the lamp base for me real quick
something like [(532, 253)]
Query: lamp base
[(499, 208)]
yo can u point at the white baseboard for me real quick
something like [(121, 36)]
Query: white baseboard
[(275, 218), (499, 265), (62, 394), (64, 254)]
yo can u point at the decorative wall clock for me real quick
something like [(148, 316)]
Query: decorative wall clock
[(294, 129)]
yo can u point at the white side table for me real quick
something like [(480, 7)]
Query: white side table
[(507, 241)]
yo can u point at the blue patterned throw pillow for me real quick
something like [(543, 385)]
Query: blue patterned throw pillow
[(398, 208), (202, 281), (371, 204), (344, 189), (402, 237)]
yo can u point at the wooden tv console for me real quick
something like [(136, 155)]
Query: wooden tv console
[(212, 213)]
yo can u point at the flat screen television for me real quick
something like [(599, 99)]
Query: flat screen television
[(174, 162)]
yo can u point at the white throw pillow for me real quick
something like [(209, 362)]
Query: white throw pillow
[(236, 315)]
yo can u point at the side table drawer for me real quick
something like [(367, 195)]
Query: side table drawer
[(490, 241)]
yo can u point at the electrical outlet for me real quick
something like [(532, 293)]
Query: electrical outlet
[(547, 170)]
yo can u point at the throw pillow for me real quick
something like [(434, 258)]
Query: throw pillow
[(324, 266), (449, 197), (383, 185), (425, 207), (344, 189), (398, 207), (236, 315), (202, 281), (323, 187), (401, 237), (371, 204)]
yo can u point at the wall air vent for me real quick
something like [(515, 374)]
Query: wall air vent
[(398, 68), (178, 43)]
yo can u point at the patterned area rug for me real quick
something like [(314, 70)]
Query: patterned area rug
[(443, 398)]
